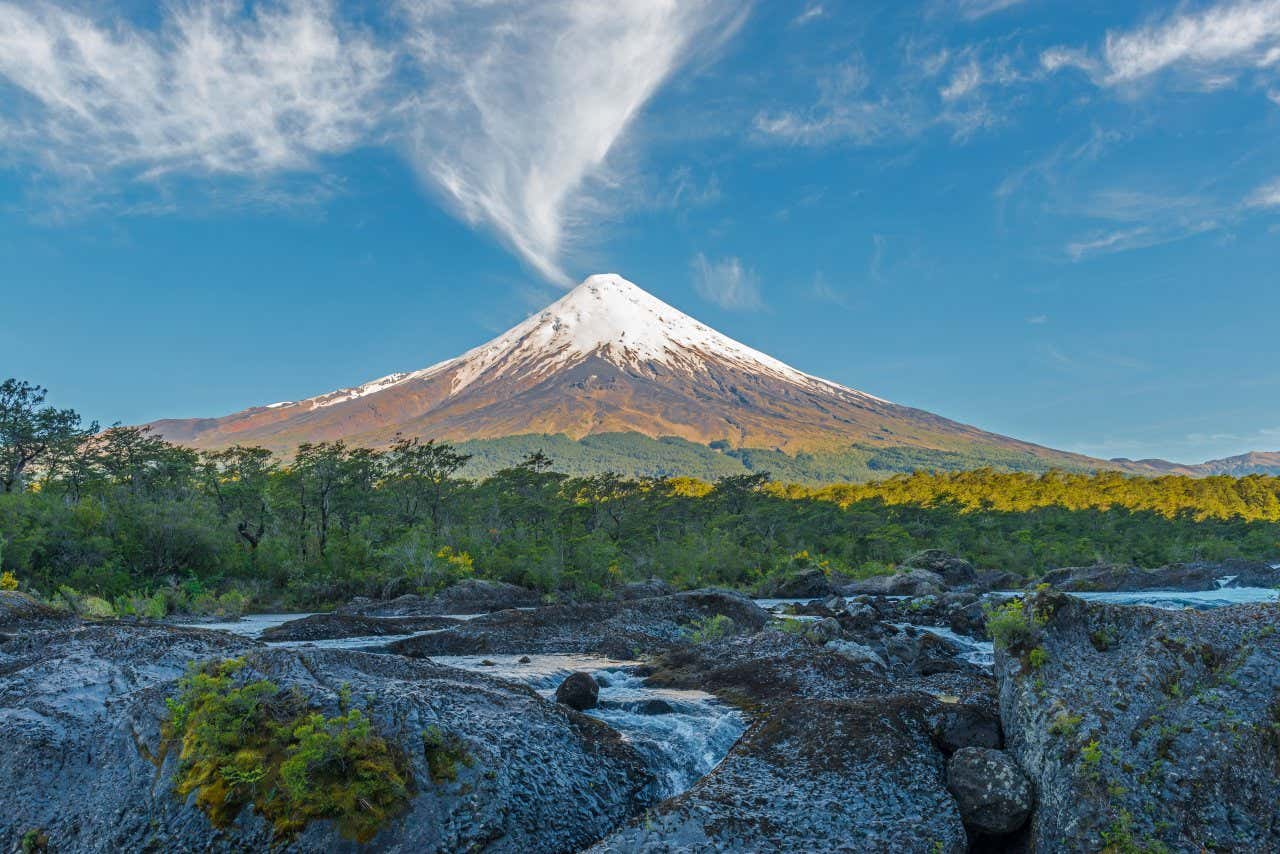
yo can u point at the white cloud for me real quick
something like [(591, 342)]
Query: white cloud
[(811, 13), (727, 283), (1226, 35), (529, 98), (1038, 319), (214, 91), (1266, 196), (982, 8), (509, 108)]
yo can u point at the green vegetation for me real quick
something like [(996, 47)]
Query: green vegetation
[(246, 742), (124, 523), (713, 628), (444, 752)]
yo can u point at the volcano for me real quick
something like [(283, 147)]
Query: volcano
[(610, 358)]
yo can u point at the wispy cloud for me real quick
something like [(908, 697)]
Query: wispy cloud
[(727, 283), (1266, 196), (1205, 43), (982, 8), (529, 98), (214, 91), (1038, 319), (811, 13), (509, 109)]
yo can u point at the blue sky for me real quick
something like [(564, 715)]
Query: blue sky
[(1058, 221)]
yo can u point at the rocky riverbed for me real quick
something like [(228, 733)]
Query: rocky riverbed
[(663, 721)]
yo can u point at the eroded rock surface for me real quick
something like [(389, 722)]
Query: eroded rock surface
[(1144, 727), (473, 596), (618, 629), (330, 626), (81, 711)]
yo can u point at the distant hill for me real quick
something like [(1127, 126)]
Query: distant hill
[(610, 377)]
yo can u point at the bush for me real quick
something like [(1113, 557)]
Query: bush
[(1008, 625), (713, 628), (8, 581), (246, 742)]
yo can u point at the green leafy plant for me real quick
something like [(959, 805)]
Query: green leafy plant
[(244, 741), (713, 628)]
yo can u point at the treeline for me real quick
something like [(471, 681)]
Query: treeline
[(123, 522)]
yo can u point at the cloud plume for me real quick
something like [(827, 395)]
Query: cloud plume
[(528, 100), (508, 108)]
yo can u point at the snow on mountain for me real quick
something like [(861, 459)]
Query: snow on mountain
[(608, 357)]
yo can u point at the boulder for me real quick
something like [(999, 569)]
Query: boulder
[(578, 691), (857, 653), (911, 582), (998, 579), (922, 652), (82, 709), (814, 775), (1144, 728), (331, 626), (858, 616), (472, 596), (618, 629), (993, 794), (955, 571), (823, 630), (806, 584), (645, 589), (1109, 578)]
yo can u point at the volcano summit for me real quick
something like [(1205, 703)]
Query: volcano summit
[(610, 358)]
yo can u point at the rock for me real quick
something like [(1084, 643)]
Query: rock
[(993, 794), (912, 582), (645, 589), (857, 653), (20, 611), (834, 604), (81, 710), (806, 584), (1146, 726), (524, 659), (814, 775), (955, 571), (958, 725), (578, 691), (998, 579), (921, 652), (1178, 576), (472, 596), (821, 631), (329, 626), (618, 629), (859, 616)]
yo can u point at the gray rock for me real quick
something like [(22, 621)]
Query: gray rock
[(857, 653), (645, 589), (814, 775), (806, 584), (993, 794), (955, 571), (860, 616), (1145, 725), (578, 691), (619, 629), (912, 582), (81, 711), (823, 630), (472, 596), (329, 626), (1177, 576), (20, 611)]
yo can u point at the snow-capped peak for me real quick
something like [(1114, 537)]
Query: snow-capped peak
[(608, 317)]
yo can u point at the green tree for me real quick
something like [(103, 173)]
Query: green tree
[(30, 431)]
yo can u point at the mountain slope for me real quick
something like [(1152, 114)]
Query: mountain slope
[(610, 358)]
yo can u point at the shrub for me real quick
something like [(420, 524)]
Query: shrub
[(246, 742), (1064, 724), (713, 628), (1008, 624), (444, 752), (8, 581), (1037, 658)]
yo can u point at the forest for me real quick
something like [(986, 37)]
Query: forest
[(118, 521)]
